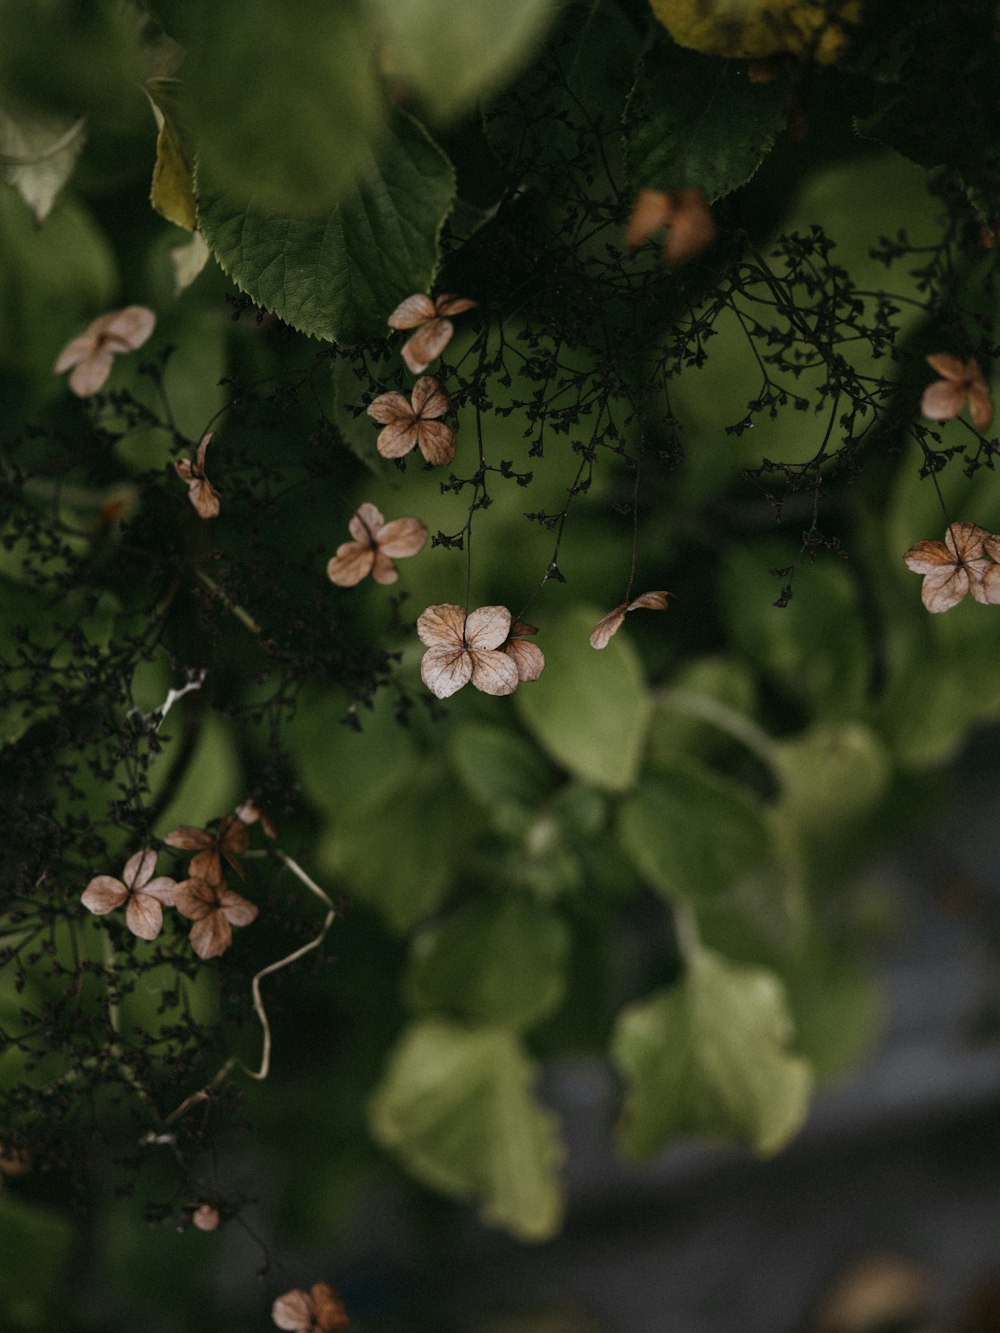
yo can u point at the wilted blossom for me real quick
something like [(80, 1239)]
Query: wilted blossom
[(609, 626), (319, 1310), (960, 380), (206, 1217), (685, 212), (229, 840), (92, 354), (956, 566), (249, 812), (376, 543), (461, 648), (434, 329), (409, 424), (144, 896), (527, 657), (214, 909), (201, 492)]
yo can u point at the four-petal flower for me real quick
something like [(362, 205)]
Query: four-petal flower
[(461, 648), (434, 329), (319, 1310), (144, 896), (376, 543), (945, 398), (409, 424), (214, 909), (685, 212), (92, 354), (956, 566)]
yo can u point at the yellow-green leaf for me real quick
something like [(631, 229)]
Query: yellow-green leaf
[(172, 190)]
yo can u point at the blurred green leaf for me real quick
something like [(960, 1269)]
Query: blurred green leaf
[(501, 770), (455, 1106), (830, 776), (451, 55), (698, 120), (339, 277), (692, 834), (589, 710), (710, 1057), (37, 155), (33, 1261), (296, 136), (675, 732), (836, 1007), (500, 959)]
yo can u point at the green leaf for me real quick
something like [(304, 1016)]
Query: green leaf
[(693, 835), (710, 1057), (37, 155), (339, 277), (402, 855), (36, 1250), (285, 100), (589, 710), (501, 770), (816, 645), (677, 730), (500, 959), (830, 776), (453, 54), (172, 190), (455, 1105), (698, 120), (836, 1006)]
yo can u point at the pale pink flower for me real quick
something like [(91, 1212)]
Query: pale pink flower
[(201, 492), (376, 543), (956, 566), (144, 896), (250, 812), (206, 1217), (527, 657), (319, 1310), (945, 398), (92, 353), (409, 424), (214, 909), (685, 212), (461, 648), (434, 330), (609, 626)]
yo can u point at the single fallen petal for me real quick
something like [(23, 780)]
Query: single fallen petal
[(388, 408), (652, 209), (211, 936), (487, 627), (493, 672), (144, 916), (90, 375), (350, 565), (429, 399), (365, 523), (605, 629), (436, 441), (402, 537), (427, 344), (411, 312), (103, 894), (139, 868), (942, 400), (445, 670), (528, 658), (442, 625)]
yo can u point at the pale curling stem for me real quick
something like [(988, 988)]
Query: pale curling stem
[(726, 719), (258, 1003)]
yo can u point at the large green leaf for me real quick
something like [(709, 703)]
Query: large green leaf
[(340, 276), (455, 1105), (502, 771), (500, 959), (453, 54), (285, 100), (693, 835), (830, 776), (37, 155), (590, 710), (698, 120), (710, 1057)]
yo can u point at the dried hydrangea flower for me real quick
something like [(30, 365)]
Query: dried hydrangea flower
[(144, 896), (214, 909), (376, 543), (92, 354), (409, 424), (201, 492), (685, 212), (229, 840), (250, 812), (319, 1310), (945, 398), (956, 566), (607, 628), (461, 648), (527, 657), (434, 329), (206, 1217)]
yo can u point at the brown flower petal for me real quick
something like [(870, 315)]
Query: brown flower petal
[(204, 497), (196, 898), (91, 374), (442, 626), (424, 346), (693, 227), (206, 865), (487, 628), (402, 537), (144, 916), (436, 441), (350, 565), (139, 868), (942, 400), (103, 894), (93, 351), (412, 312), (947, 366), (161, 888), (75, 351), (211, 936), (188, 838), (493, 672), (446, 304), (398, 438), (329, 1310), (389, 407), (429, 399), (527, 657), (445, 670), (206, 1217), (651, 601), (980, 405), (131, 326), (237, 911), (652, 209), (365, 523), (954, 567), (383, 570), (605, 629)]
